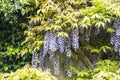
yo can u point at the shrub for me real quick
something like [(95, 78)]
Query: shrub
[(105, 70), (27, 73)]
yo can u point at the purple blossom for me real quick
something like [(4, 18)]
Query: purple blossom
[(46, 43), (56, 65), (53, 46), (75, 38), (61, 43), (68, 47)]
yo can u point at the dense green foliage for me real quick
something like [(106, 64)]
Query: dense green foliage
[(105, 70), (11, 36), (26, 21), (27, 73)]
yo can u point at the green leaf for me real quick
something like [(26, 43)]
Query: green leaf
[(94, 51), (110, 30), (100, 24), (64, 34)]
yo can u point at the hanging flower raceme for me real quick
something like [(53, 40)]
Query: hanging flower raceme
[(117, 27), (50, 43), (34, 59), (56, 65), (115, 38), (51, 55), (68, 64), (46, 43), (112, 41), (53, 46), (69, 73), (117, 43), (75, 38), (41, 62), (118, 31), (61, 43), (68, 46), (47, 63)]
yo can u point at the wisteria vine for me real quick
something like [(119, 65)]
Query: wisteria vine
[(115, 37), (53, 43)]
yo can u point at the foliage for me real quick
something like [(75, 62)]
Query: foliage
[(27, 73), (58, 16), (105, 70), (11, 30), (11, 36), (63, 16), (12, 62), (9, 9)]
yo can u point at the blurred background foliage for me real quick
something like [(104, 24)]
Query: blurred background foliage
[(28, 73), (105, 70), (23, 24)]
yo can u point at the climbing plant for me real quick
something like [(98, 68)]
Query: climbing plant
[(59, 25), (51, 29), (63, 16)]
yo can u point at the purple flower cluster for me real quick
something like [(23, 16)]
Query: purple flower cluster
[(69, 73), (56, 65), (53, 42), (50, 43), (34, 59), (118, 31), (67, 47), (75, 38), (51, 56), (68, 63), (41, 62), (47, 63), (46, 43), (115, 38), (61, 43), (115, 41)]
